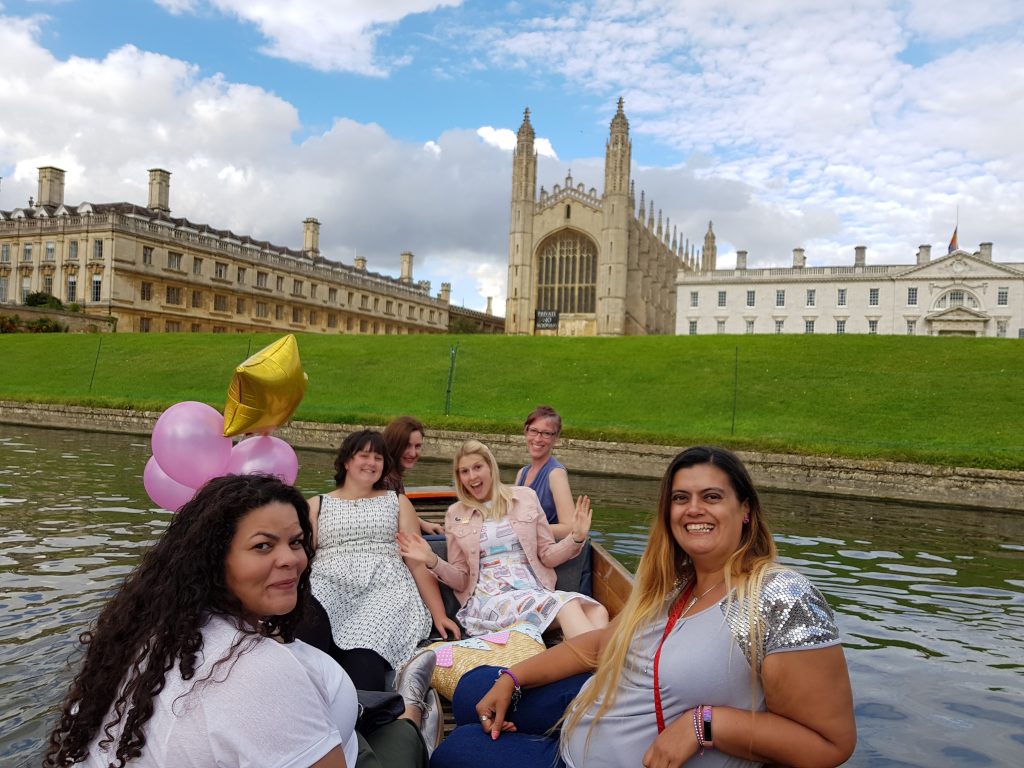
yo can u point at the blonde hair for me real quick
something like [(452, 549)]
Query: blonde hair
[(665, 567), (496, 506)]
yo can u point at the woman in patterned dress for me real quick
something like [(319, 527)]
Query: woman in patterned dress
[(379, 606), (501, 554)]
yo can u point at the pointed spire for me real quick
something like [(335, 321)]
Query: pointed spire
[(641, 214), (650, 217), (526, 129), (619, 123)]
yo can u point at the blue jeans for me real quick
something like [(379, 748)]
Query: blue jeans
[(531, 745)]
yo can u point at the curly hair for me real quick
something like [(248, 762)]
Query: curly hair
[(364, 439), (155, 620)]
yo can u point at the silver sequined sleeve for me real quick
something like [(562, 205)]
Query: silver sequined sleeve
[(796, 616)]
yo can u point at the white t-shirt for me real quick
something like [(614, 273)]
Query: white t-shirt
[(275, 705)]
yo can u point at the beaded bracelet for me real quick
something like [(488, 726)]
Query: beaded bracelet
[(698, 728), (518, 692)]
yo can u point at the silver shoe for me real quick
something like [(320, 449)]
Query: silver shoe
[(432, 724), (413, 680)]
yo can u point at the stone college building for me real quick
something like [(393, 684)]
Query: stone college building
[(960, 294), (155, 272), (582, 263)]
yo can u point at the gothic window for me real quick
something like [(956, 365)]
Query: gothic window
[(567, 273)]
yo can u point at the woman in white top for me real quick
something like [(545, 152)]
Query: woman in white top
[(194, 663)]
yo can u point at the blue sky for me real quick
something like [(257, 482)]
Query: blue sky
[(790, 123)]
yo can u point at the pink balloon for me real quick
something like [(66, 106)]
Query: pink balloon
[(189, 443), (267, 454), (163, 490)]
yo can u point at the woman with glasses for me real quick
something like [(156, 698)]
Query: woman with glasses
[(545, 474)]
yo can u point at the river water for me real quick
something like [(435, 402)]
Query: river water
[(930, 600)]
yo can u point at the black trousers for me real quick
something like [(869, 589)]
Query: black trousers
[(368, 669)]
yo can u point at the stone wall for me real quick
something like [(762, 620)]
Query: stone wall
[(77, 322), (956, 486)]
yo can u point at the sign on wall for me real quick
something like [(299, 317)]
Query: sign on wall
[(545, 320)]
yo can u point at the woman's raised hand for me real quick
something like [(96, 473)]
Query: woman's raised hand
[(414, 547), (581, 518)]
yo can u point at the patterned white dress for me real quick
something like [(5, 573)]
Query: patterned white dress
[(507, 591), (363, 583)]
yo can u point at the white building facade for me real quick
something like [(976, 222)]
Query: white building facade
[(959, 294)]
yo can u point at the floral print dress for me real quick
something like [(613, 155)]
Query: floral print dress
[(507, 591)]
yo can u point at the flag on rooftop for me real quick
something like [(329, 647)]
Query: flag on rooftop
[(953, 245)]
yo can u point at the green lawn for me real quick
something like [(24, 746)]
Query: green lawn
[(935, 400)]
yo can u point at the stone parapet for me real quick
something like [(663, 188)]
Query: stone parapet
[(901, 481)]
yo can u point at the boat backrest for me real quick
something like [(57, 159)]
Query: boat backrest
[(571, 576)]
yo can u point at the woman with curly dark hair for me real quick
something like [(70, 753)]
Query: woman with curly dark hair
[(194, 661)]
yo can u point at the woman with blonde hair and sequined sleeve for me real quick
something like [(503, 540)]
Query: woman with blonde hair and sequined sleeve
[(721, 657)]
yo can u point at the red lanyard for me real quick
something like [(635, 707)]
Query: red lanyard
[(673, 617)]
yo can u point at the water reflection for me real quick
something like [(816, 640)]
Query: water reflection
[(930, 600)]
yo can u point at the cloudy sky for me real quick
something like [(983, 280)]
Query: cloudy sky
[(821, 124)]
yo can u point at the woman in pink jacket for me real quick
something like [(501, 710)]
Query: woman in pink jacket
[(501, 554)]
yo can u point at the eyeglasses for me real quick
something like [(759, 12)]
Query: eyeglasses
[(540, 433)]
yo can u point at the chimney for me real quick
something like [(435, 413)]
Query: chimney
[(799, 260), (311, 238), (406, 275), (424, 285), (860, 255), (51, 186), (159, 190), (741, 259), (490, 305), (446, 293), (985, 251), (360, 262), (924, 254)]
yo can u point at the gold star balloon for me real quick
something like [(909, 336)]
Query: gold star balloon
[(266, 389)]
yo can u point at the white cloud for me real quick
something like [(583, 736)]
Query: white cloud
[(107, 121), (832, 137), (178, 6), (505, 138), (325, 34)]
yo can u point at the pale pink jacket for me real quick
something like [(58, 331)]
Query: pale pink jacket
[(462, 530)]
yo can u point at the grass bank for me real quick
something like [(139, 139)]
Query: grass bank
[(932, 400)]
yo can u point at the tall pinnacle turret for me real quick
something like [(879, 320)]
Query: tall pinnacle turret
[(710, 250), (520, 243), (617, 155)]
